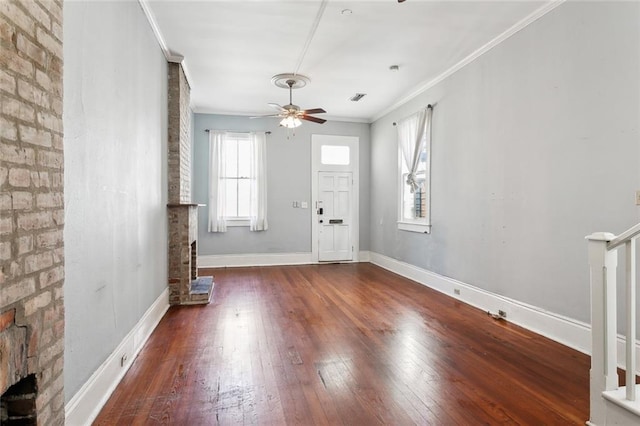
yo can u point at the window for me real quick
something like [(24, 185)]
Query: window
[(236, 178), (334, 155), (238, 181), (414, 150), (414, 205)]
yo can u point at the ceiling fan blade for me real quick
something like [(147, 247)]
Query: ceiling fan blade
[(312, 118), (266, 116), (276, 106), (314, 111)]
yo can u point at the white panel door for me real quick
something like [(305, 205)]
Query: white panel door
[(334, 216)]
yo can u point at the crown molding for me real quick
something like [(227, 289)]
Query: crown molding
[(537, 14), (168, 54), (200, 110)]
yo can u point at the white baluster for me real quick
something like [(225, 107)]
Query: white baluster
[(631, 318), (604, 377)]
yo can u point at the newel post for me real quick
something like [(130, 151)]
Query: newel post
[(603, 375)]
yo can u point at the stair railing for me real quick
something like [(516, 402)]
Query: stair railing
[(603, 262)]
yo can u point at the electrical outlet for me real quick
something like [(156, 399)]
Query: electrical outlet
[(502, 314), (637, 198), (456, 291), (123, 360)]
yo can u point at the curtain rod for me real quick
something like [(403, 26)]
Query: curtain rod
[(233, 131), (428, 106)]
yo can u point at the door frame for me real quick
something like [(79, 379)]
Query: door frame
[(353, 143)]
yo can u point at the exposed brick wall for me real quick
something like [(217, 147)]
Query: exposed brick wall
[(31, 195), (179, 136)]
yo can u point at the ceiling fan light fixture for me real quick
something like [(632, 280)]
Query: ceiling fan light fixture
[(290, 122)]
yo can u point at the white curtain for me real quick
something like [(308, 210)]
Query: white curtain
[(258, 205), (411, 136), (217, 221)]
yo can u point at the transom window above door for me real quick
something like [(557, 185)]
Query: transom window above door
[(334, 155)]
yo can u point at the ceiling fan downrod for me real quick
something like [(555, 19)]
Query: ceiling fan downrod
[(290, 83)]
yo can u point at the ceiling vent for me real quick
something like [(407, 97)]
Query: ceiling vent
[(357, 97)]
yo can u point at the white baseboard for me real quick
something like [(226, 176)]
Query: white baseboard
[(258, 259), (364, 256), (86, 404), (567, 331), (262, 259)]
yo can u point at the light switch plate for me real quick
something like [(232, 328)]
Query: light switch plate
[(304, 205)]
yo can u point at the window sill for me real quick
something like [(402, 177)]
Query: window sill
[(421, 228), (237, 222)]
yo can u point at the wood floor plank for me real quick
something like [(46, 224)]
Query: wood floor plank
[(345, 344)]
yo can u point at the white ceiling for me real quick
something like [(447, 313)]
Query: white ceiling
[(233, 48)]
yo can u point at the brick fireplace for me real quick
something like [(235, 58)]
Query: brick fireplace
[(31, 214), (185, 287)]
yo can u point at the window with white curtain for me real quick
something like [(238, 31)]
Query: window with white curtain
[(237, 185), (414, 150), (236, 178)]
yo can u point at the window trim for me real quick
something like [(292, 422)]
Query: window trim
[(236, 222), (419, 227)]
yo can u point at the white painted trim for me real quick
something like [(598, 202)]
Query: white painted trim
[(537, 14), (567, 331), (421, 228), (262, 259), (258, 259), (168, 54), (86, 404), (618, 397), (155, 28)]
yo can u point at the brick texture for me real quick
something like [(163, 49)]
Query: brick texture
[(179, 124), (183, 233), (31, 202), (183, 218)]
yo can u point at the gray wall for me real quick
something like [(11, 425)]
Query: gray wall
[(115, 117), (535, 145), (289, 179)]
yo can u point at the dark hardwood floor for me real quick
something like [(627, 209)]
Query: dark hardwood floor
[(345, 344)]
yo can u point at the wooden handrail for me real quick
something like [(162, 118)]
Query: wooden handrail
[(627, 235)]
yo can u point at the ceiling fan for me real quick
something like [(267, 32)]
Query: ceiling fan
[(292, 114)]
